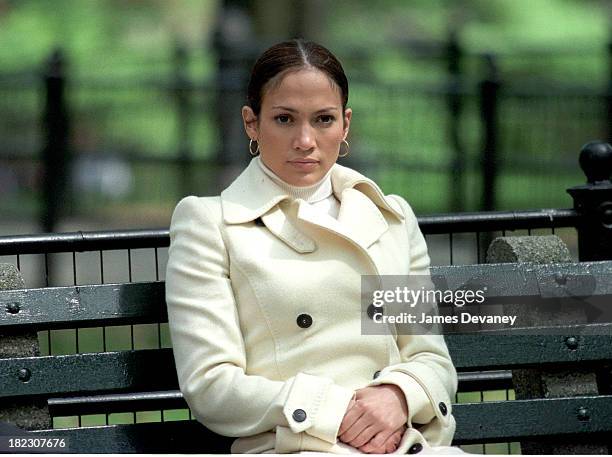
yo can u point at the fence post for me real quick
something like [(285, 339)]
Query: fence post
[(182, 93), (233, 43), (454, 56), (55, 151), (489, 103), (594, 203), (608, 94)]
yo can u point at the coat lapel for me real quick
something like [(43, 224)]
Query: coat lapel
[(253, 195), (281, 226)]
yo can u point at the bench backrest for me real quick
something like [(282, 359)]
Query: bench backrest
[(141, 380)]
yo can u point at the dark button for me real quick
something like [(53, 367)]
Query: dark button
[(443, 408), (299, 415), (376, 374), (374, 310), (259, 222), (415, 448), (304, 320)]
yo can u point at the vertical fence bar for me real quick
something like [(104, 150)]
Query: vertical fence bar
[(608, 95), (455, 108), (182, 93), (55, 152), (489, 102)]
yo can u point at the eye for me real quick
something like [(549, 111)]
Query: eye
[(283, 118), (326, 118)]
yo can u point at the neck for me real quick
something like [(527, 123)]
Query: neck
[(312, 193)]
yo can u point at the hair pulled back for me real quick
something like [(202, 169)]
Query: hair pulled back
[(293, 55)]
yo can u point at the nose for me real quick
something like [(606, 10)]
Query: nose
[(305, 138)]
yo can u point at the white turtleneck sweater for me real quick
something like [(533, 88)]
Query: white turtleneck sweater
[(319, 195)]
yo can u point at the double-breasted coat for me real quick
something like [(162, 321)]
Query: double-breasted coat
[(263, 295)]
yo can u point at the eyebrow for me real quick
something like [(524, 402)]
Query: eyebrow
[(286, 108)]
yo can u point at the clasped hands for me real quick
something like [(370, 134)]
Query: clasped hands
[(375, 419)]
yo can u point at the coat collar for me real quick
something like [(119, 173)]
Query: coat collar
[(253, 195)]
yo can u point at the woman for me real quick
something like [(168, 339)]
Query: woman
[(263, 285)]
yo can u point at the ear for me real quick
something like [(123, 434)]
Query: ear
[(249, 120), (348, 113)]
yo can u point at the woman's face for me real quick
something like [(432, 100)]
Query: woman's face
[(300, 126)]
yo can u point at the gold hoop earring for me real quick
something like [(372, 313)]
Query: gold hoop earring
[(348, 149), (253, 153)]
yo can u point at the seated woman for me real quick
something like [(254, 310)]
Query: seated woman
[(263, 285)]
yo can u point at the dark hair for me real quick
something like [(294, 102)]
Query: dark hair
[(293, 55)]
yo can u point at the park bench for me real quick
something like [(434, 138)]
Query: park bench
[(563, 379)]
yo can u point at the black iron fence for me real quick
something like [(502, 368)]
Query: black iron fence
[(466, 140)]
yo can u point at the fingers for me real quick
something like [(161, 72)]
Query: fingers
[(350, 417), (388, 446), (379, 440), (364, 436)]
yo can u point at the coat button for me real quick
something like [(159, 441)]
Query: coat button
[(443, 408), (299, 415), (304, 320), (376, 374), (259, 222), (415, 448), (373, 310)]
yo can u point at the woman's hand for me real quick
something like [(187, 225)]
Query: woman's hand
[(388, 446), (377, 414)]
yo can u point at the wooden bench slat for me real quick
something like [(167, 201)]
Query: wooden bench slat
[(499, 421), (488, 352), (144, 302), (141, 370), (153, 369), (84, 306)]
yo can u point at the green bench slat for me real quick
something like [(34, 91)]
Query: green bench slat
[(512, 420), (84, 306), (153, 369), (487, 352), (144, 302), (142, 370)]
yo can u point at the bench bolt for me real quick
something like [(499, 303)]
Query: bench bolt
[(571, 343), (583, 414), (13, 307), (25, 375)]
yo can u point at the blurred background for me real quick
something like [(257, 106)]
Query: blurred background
[(112, 110)]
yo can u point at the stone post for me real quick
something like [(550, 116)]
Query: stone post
[(549, 382), (27, 413)]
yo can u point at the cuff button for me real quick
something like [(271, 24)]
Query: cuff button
[(304, 320), (443, 408), (299, 415), (376, 374), (415, 448)]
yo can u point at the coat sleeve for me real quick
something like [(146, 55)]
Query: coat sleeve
[(209, 349), (426, 373)]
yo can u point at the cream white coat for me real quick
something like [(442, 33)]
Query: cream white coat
[(244, 265)]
